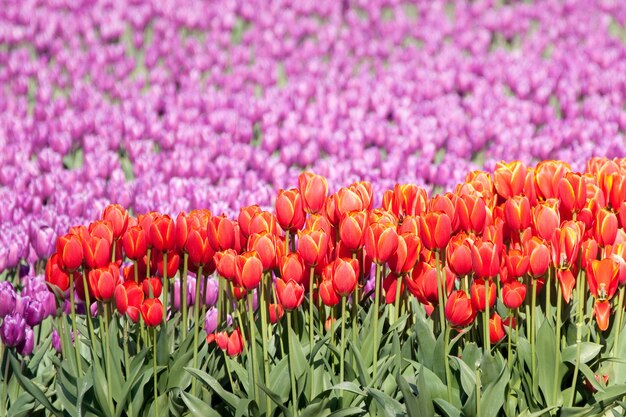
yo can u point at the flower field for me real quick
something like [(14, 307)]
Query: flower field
[(333, 208)]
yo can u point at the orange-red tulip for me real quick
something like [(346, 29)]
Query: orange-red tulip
[(347, 200), (70, 251), (162, 233), (509, 178), (249, 270), (290, 294), (478, 294), (381, 241), (97, 252), (118, 216), (538, 257), (226, 264), (459, 254), (605, 229), (602, 278), (485, 259), (55, 274), (573, 192), (246, 214), (407, 199), (314, 190), (516, 263), (327, 291), (459, 310), (128, 299), (548, 174), (312, 246), (472, 213), (435, 230), (352, 229), (102, 282), (345, 276), (291, 267), (152, 287), (513, 294), (198, 247), (290, 210), (566, 244), (265, 245), (276, 312), (546, 219), (152, 312), (496, 328), (517, 213), (404, 258), (134, 242)]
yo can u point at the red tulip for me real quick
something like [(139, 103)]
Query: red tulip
[(516, 263), (538, 257), (276, 312), (102, 229), (566, 244), (291, 267), (548, 175), (312, 246), (314, 190), (589, 252), (407, 199), (97, 252), (478, 293), (70, 252), (249, 270), (513, 294), (263, 221), (345, 276), (485, 259), (265, 246), (614, 189), (405, 257), (102, 282), (546, 219), (605, 230), (381, 241), (235, 343), (221, 233), (135, 243), (347, 200), (226, 263), (365, 192), (566, 280), (517, 213), (602, 313), (327, 292), (151, 286), (200, 251), (246, 215), (290, 294), (128, 299), (55, 274), (472, 213), (118, 216), (496, 329), (459, 310), (573, 192), (435, 230), (390, 285), (422, 283), (290, 210), (459, 254), (602, 278), (352, 229), (152, 312), (173, 262), (509, 178), (162, 233)]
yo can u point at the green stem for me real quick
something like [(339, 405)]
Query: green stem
[(343, 339), (220, 300), (376, 311), (508, 349), (396, 307), (311, 323), (74, 328), (355, 306), (165, 287), (136, 271), (266, 361), (5, 378), (196, 328), (228, 371), (255, 361), (108, 354), (533, 303), (149, 256), (446, 360), (548, 293), (183, 294), (487, 339), (440, 295), (292, 376), (478, 389), (287, 242), (154, 372), (579, 326), (127, 361), (557, 342), (618, 322)]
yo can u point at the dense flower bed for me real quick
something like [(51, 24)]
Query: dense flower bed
[(503, 297), (175, 105)]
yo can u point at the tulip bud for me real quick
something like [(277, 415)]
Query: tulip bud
[(312, 246), (496, 329), (478, 290), (291, 267), (605, 230), (8, 299), (381, 241), (70, 251), (546, 219), (128, 299), (472, 213), (459, 254), (352, 229), (485, 259), (249, 270), (459, 309), (513, 294), (221, 233), (226, 263), (162, 233), (435, 229), (290, 294), (102, 282), (516, 263), (246, 215), (404, 258), (345, 276), (134, 242), (265, 246), (152, 287), (517, 213), (118, 217), (152, 312), (326, 290), (538, 257), (290, 210), (314, 190), (97, 252), (276, 312)]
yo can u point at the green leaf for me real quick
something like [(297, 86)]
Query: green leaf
[(346, 412), (447, 409), (468, 376), (388, 405), (413, 406), (100, 388), (493, 396), (588, 351), (197, 407), (362, 369), (426, 341), (300, 361), (547, 368), (212, 383), (277, 400), (84, 383), (22, 407), (31, 388)]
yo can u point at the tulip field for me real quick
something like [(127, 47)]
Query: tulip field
[(312, 208)]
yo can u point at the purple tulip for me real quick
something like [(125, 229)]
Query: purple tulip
[(34, 311), (8, 298), (210, 320), (12, 330), (25, 348), (211, 292), (56, 341)]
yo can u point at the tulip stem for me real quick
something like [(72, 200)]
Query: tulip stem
[(238, 313), (292, 376), (311, 324), (618, 321), (343, 339), (266, 361), (165, 286), (396, 307), (127, 360), (230, 376), (579, 325), (108, 354), (440, 294), (255, 361), (478, 388), (5, 378), (533, 302), (287, 242), (74, 329), (508, 350), (196, 327), (154, 372), (355, 306), (183, 294), (548, 294), (149, 258), (375, 312), (136, 271), (557, 341)]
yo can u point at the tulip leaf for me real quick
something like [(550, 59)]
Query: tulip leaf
[(588, 351), (468, 376), (277, 400), (30, 387), (426, 341), (22, 407), (84, 383), (411, 400), (546, 349), (213, 383), (197, 407), (447, 409), (40, 353), (493, 395), (101, 388), (388, 405), (346, 412), (242, 373), (591, 378), (177, 377), (362, 371)]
